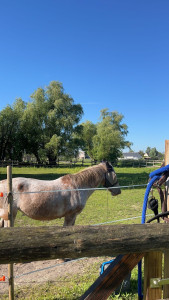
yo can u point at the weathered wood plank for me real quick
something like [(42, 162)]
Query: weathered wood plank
[(103, 287), (152, 269), (40, 243)]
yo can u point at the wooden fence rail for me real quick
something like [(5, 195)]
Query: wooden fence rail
[(42, 243)]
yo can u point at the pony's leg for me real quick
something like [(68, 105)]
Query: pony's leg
[(1, 222), (5, 223), (70, 220), (14, 216)]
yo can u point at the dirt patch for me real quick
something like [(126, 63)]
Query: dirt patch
[(44, 271)]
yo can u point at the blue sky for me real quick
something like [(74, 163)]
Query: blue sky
[(107, 53)]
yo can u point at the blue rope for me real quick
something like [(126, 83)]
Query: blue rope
[(159, 171), (148, 189)]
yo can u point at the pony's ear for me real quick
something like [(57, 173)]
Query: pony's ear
[(105, 161), (107, 164), (109, 167)]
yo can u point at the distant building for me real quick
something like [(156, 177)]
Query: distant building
[(131, 155), (82, 155), (146, 156)]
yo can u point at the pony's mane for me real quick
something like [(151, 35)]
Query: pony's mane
[(90, 176)]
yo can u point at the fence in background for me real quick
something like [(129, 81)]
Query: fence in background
[(81, 162)]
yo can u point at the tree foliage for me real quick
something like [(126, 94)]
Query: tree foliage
[(48, 127), (89, 130), (45, 126), (10, 131), (106, 139), (153, 153)]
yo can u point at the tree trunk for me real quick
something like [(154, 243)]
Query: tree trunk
[(52, 160)]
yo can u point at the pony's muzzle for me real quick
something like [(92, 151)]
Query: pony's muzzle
[(115, 190)]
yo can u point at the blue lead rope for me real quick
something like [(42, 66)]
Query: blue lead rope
[(159, 172), (148, 189)]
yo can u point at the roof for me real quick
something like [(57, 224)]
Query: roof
[(132, 155)]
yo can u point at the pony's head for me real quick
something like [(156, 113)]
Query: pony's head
[(111, 181)]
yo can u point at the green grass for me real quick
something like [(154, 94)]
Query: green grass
[(100, 208), (72, 287)]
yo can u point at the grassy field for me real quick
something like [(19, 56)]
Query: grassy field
[(100, 208)]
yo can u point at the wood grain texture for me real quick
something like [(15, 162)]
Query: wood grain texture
[(103, 287), (42, 243)]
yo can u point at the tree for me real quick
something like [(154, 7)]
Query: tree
[(110, 137), (89, 130), (50, 121), (52, 147), (33, 124), (46, 126), (153, 153), (61, 120), (141, 153), (148, 151), (10, 131), (6, 131)]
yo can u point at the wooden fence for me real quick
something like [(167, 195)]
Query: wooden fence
[(55, 164), (42, 243), (31, 244), (82, 162), (18, 245), (139, 163)]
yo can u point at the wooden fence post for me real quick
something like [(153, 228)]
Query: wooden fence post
[(152, 269), (166, 253), (10, 224)]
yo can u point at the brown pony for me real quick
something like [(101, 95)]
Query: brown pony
[(64, 197)]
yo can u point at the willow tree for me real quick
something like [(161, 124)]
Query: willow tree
[(89, 130), (49, 122)]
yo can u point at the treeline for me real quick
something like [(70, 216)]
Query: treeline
[(48, 128)]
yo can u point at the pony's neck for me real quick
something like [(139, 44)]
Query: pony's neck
[(91, 177)]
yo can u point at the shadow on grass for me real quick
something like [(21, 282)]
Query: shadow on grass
[(126, 179), (46, 176)]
